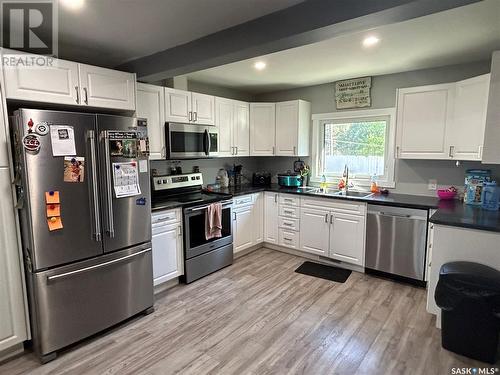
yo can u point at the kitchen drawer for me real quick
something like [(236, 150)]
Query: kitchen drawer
[(243, 200), (337, 204), (289, 224), (166, 217), (288, 238), (290, 200), (287, 211)]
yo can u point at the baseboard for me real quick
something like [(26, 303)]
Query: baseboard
[(247, 251), (11, 352), (317, 258), (166, 285)]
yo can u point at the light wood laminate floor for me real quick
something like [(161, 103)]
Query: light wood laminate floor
[(260, 317)]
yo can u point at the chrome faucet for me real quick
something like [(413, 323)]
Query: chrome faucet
[(346, 176)]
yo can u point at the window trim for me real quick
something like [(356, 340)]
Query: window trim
[(317, 132)]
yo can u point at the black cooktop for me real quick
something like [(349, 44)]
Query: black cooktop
[(164, 201)]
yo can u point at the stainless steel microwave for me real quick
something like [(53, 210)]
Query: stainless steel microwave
[(187, 141)]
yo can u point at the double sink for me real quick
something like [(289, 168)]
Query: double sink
[(336, 193)]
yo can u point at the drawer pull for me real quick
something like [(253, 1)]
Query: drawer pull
[(287, 239), (288, 224), (287, 212)]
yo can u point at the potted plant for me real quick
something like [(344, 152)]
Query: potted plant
[(304, 173)]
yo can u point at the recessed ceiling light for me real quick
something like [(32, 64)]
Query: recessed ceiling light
[(72, 4), (259, 65), (370, 41)]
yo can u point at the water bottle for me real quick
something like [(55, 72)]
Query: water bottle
[(490, 196)]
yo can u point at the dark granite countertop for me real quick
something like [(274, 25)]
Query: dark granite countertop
[(465, 216), (452, 213), (398, 200)]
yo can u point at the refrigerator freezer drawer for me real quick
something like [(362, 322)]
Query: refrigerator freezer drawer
[(77, 301)]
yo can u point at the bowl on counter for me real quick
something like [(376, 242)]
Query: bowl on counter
[(446, 195)]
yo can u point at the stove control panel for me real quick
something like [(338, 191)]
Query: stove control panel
[(177, 181)]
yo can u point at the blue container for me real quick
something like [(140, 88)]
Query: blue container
[(474, 181), (490, 196)]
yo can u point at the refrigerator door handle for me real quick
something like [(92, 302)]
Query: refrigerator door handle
[(109, 188), (95, 198), (100, 265)]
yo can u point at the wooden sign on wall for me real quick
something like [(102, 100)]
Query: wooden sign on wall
[(353, 93)]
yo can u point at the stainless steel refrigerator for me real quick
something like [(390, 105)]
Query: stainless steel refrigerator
[(84, 199)]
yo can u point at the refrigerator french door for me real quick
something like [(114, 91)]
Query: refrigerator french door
[(94, 269)]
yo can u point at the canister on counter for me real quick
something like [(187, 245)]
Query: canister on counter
[(474, 182)]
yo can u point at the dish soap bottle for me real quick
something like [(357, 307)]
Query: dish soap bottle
[(323, 184), (373, 185)]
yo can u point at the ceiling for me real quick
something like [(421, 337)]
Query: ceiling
[(465, 34), (112, 32)]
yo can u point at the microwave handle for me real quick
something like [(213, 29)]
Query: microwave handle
[(206, 142)]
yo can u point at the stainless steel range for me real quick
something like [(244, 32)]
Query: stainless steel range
[(201, 256)]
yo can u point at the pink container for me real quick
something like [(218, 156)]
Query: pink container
[(446, 195)]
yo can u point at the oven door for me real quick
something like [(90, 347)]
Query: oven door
[(195, 242), (186, 141)]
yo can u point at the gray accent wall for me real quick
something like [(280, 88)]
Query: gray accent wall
[(224, 92), (411, 175)]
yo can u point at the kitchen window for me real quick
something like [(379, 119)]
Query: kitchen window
[(362, 140)]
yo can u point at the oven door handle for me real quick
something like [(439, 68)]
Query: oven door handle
[(224, 204)]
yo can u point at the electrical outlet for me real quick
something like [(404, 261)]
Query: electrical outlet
[(432, 185)]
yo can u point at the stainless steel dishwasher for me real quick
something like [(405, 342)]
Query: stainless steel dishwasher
[(396, 241)]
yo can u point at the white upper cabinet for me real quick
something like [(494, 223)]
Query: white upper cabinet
[(424, 115), (56, 84), (232, 120), (262, 129), (444, 121), (70, 83), (107, 88), (203, 107), (491, 152), (189, 107), (224, 119), (150, 105), (241, 128), (466, 135), (177, 105), (293, 124)]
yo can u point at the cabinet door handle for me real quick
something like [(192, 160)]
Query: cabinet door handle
[(452, 150), (179, 231), (77, 89), (232, 150), (294, 150), (236, 150), (234, 213), (273, 150), (86, 96), (190, 116), (195, 116), (331, 219), (275, 198), (326, 218)]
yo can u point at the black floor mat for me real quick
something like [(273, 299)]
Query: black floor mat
[(323, 271)]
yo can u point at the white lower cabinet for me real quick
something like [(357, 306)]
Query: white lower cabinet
[(315, 231), (271, 217), (242, 228), (347, 238), (168, 261), (333, 229), (248, 221), (13, 326)]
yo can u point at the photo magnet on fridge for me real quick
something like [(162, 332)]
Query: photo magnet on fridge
[(74, 169)]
